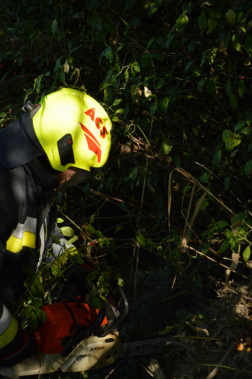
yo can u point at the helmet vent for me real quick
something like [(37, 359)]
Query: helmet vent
[(65, 146)]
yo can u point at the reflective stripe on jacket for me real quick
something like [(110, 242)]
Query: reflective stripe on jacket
[(27, 220)]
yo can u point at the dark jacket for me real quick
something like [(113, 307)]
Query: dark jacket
[(27, 219)]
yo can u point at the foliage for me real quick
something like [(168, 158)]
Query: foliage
[(175, 78)]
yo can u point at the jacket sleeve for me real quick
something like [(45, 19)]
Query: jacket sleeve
[(16, 344)]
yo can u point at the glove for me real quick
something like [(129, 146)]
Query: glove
[(16, 344)]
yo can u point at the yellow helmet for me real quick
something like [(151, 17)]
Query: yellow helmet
[(73, 130)]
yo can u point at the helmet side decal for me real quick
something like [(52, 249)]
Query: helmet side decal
[(98, 122), (92, 142)]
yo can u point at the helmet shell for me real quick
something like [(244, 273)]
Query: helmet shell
[(76, 118)]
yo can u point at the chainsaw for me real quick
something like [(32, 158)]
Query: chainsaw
[(77, 337)]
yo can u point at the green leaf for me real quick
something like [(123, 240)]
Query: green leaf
[(210, 86), (154, 7), (90, 276), (248, 167), (182, 21), (231, 140), (222, 224), (3, 114), (117, 63), (92, 230), (224, 246), (94, 302), (212, 23), (135, 67), (166, 330), (201, 84), (160, 83), (60, 220), (126, 75), (67, 231), (108, 54), (54, 26), (36, 287), (239, 125), (246, 254), (211, 55), (55, 239), (165, 147), (216, 159), (56, 272), (203, 58), (202, 22), (233, 101), (150, 43), (118, 111), (116, 102), (33, 322), (153, 108), (120, 282), (72, 240), (163, 105), (141, 240), (123, 206), (236, 42), (248, 44), (204, 178), (239, 217), (134, 173), (230, 16), (62, 77), (241, 88), (41, 315), (108, 95)]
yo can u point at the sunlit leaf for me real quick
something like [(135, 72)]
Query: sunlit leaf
[(166, 147), (231, 140), (182, 21), (246, 254), (54, 26), (67, 231), (236, 42), (108, 95)]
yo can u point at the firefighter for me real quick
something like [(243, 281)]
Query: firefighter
[(60, 140)]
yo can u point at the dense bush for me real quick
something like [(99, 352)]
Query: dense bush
[(175, 78)]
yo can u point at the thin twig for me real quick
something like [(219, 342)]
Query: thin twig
[(213, 260), (223, 360), (245, 368), (111, 372)]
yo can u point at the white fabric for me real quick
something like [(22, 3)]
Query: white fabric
[(5, 320), (58, 249)]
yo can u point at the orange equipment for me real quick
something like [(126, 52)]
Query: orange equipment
[(64, 321)]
